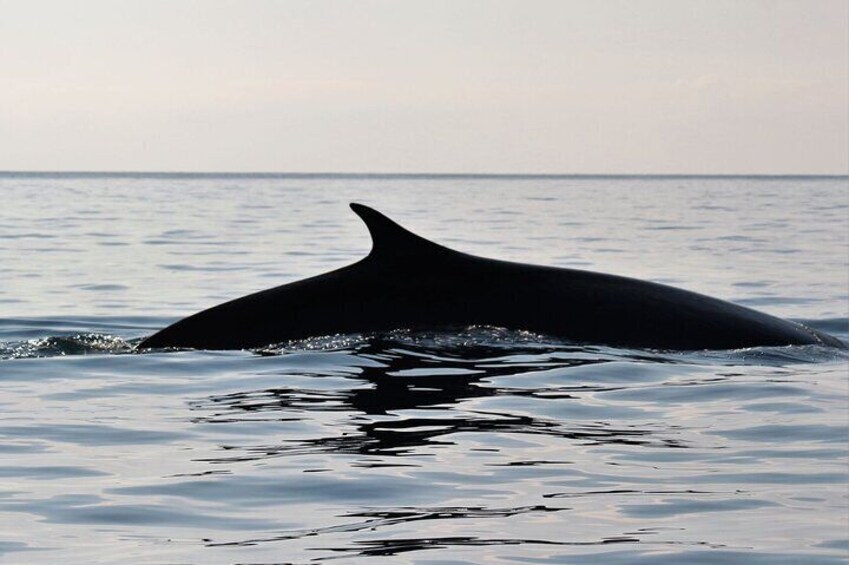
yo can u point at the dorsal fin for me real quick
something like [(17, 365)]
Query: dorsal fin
[(389, 241)]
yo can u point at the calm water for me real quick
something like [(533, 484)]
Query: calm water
[(489, 446)]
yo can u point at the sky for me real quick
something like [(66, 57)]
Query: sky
[(431, 86)]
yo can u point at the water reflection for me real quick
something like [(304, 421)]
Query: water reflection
[(382, 518), (415, 393)]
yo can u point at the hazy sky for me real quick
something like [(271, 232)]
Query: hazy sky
[(490, 86)]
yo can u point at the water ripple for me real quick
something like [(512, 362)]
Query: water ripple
[(477, 446)]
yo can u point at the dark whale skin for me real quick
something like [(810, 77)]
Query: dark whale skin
[(408, 282)]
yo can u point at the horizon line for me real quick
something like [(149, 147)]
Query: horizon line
[(313, 174)]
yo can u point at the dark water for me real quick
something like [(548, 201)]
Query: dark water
[(483, 446)]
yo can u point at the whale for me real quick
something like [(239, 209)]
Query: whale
[(407, 282)]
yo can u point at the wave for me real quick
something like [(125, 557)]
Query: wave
[(61, 345), (470, 342)]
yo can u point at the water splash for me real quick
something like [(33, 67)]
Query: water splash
[(58, 346)]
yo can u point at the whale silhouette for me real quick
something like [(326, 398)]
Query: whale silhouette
[(408, 282)]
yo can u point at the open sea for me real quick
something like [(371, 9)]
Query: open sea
[(488, 446)]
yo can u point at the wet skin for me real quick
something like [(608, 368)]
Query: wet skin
[(408, 282)]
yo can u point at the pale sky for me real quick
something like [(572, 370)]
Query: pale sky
[(453, 86)]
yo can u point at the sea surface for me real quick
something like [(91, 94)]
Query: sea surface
[(489, 445)]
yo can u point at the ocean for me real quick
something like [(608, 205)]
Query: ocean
[(488, 445)]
